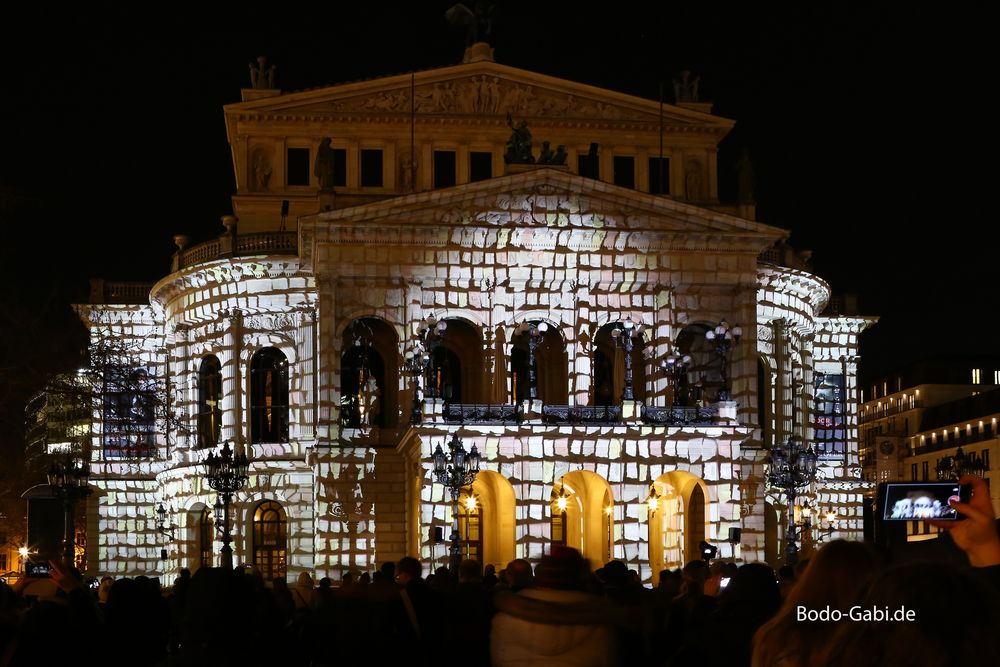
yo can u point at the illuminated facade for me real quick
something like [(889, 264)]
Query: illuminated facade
[(295, 345)]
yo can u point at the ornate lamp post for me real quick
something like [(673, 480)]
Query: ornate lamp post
[(70, 482), (163, 527), (455, 470), (625, 335), (793, 465), (959, 465), (676, 367), (414, 363), (430, 331), (226, 474), (535, 332), (724, 337)]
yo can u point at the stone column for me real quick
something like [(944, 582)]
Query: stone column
[(305, 344), (184, 401), (232, 399)]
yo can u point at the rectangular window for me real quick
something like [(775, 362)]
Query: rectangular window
[(298, 166), (913, 472), (444, 169), (128, 415), (340, 167), (588, 164), (996, 377), (976, 376), (480, 166), (986, 459), (3, 561), (925, 471), (659, 176), (371, 168), (624, 175)]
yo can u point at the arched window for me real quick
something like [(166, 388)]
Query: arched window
[(470, 526), (206, 538), (209, 399), (268, 396), (270, 538)]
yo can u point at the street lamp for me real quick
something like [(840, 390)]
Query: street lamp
[(724, 337), (535, 332), (792, 466), (653, 500), (959, 465), (676, 367), (455, 470), (624, 335), (414, 363), (70, 482), (226, 474), (430, 331), (163, 527)]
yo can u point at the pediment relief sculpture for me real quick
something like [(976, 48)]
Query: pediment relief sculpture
[(486, 95)]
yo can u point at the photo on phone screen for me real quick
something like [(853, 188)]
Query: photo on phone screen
[(921, 500)]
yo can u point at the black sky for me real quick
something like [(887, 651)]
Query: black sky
[(866, 127)]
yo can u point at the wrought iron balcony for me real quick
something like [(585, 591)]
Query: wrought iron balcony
[(681, 415), (581, 414), (477, 413)]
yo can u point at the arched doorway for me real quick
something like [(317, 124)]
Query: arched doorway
[(579, 503), (551, 364), (609, 367), (678, 524), (704, 376), (457, 365), (368, 374)]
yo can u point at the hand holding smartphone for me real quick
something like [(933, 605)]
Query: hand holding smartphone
[(910, 501)]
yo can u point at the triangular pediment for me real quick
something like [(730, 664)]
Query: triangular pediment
[(482, 89), (550, 200)]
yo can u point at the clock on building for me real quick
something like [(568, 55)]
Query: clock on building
[(886, 447)]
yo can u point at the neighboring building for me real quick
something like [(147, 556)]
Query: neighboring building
[(921, 416), (893, 408), (295, 344)]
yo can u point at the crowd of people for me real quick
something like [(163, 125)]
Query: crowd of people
[(558, 612)]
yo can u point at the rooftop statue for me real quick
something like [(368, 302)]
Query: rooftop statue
[(686, 89), (478, 23), (262, 76), (519, 143)]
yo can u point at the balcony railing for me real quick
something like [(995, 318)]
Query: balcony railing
[(680, 415), (476, 413), (262, 243), (581, 414)]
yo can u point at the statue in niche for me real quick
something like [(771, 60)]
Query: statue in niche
[(407, 171), (261, 172), (692, 181), (519, 143), (686, 89), (478, 23), (323, 168), (262, 75)]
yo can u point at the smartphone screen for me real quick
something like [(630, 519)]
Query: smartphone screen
[(921, 500), (723, 582)]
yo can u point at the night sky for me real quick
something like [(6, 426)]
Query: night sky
[(866, 128)]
